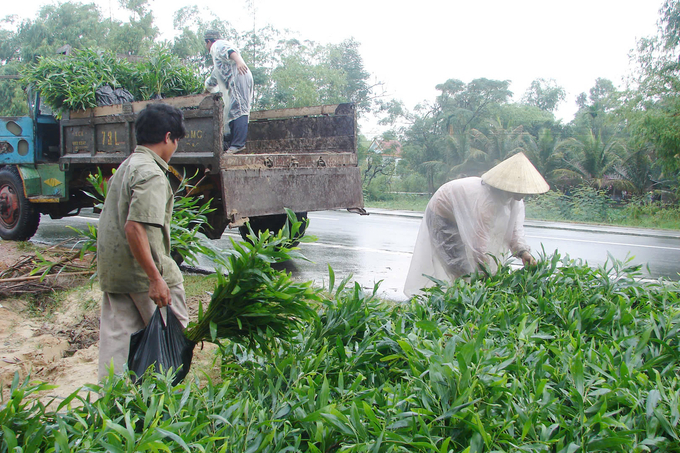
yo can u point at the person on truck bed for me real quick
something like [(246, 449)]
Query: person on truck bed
[(136, 271), (231, 77), (469, 220)]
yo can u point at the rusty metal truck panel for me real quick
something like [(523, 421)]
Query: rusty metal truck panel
[(105, 135), (183, 102), (249, 193), (331, 131), (303, 159), (292, 160)]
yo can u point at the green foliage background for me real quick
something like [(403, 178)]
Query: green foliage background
[(622, 141)]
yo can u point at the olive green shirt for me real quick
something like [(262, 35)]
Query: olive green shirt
[(138, 191)]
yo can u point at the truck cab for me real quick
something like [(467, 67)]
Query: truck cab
[(30, 179)]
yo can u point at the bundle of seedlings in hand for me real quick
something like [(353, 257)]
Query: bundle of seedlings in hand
[(254, 303)]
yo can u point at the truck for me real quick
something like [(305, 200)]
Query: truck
[(303, 159)]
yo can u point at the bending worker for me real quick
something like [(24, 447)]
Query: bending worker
[(233, 79), (469, 220)]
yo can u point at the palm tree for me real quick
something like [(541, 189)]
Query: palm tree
[(598, 163), (644, 171), (463, 158), (498, 143), (547, 152)]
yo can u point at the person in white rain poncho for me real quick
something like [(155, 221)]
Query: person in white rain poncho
[(233, 79), (469, 220)]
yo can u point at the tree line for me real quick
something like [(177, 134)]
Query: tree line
[(623, 141)]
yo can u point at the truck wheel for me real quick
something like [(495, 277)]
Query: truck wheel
[(18, 218), (271, 223)]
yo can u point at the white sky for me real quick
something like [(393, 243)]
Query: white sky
[(413, 46)]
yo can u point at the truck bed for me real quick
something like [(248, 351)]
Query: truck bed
[(300, 158)]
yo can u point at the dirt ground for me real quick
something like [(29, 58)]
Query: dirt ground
[(51, 333)]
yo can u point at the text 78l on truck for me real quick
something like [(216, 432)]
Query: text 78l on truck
[(303, 159)]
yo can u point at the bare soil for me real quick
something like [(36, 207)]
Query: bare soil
[(52, 333)]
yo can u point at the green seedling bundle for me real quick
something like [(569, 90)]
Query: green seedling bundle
[(558, 358), (70, 82), (253, 303)]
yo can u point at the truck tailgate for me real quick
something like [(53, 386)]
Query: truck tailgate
[(299, 158)]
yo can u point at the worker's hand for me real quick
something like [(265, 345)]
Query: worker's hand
[(527, 259), (160, 293), (242, 67)]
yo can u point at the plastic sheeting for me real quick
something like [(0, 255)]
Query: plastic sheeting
[(105, 95), (465, 223), (237, 89), (164, 346)]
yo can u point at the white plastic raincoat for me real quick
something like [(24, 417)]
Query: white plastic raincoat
[(465, 222), (237, 89)]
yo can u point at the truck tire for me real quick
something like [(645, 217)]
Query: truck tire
[(19, 219), (272, 223)]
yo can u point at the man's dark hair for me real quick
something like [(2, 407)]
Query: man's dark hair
[(156, 120)]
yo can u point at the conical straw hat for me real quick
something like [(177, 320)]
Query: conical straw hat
[(516, 174)]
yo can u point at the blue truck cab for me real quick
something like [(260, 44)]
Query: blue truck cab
[(31, 180)]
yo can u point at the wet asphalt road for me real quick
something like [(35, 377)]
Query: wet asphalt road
[(378, 247)]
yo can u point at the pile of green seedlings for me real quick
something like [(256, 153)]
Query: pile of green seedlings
[(70, 82), (558, 358)]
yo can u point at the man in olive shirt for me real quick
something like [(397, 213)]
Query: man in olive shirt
[(136, 272)]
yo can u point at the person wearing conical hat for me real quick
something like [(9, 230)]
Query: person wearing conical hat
[(231, 77), (469, 221)]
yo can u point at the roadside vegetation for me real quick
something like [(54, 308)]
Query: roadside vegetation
[(582, 204), (588, 205), (400, 202), (555, 358)]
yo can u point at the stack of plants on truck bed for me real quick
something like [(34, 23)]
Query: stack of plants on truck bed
[(70, 82), (557, 358)]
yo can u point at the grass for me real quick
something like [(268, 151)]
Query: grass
[(556, 358), (584, 207), (401, 203), (42, 305), (83, 294), (28, 247), (199, 285)]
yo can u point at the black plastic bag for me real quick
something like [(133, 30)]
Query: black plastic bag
[(164, 346), (105, 95)]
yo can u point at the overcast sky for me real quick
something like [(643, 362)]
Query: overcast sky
[(413, 46)]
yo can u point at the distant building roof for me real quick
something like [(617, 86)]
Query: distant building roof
[(390, 148)]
